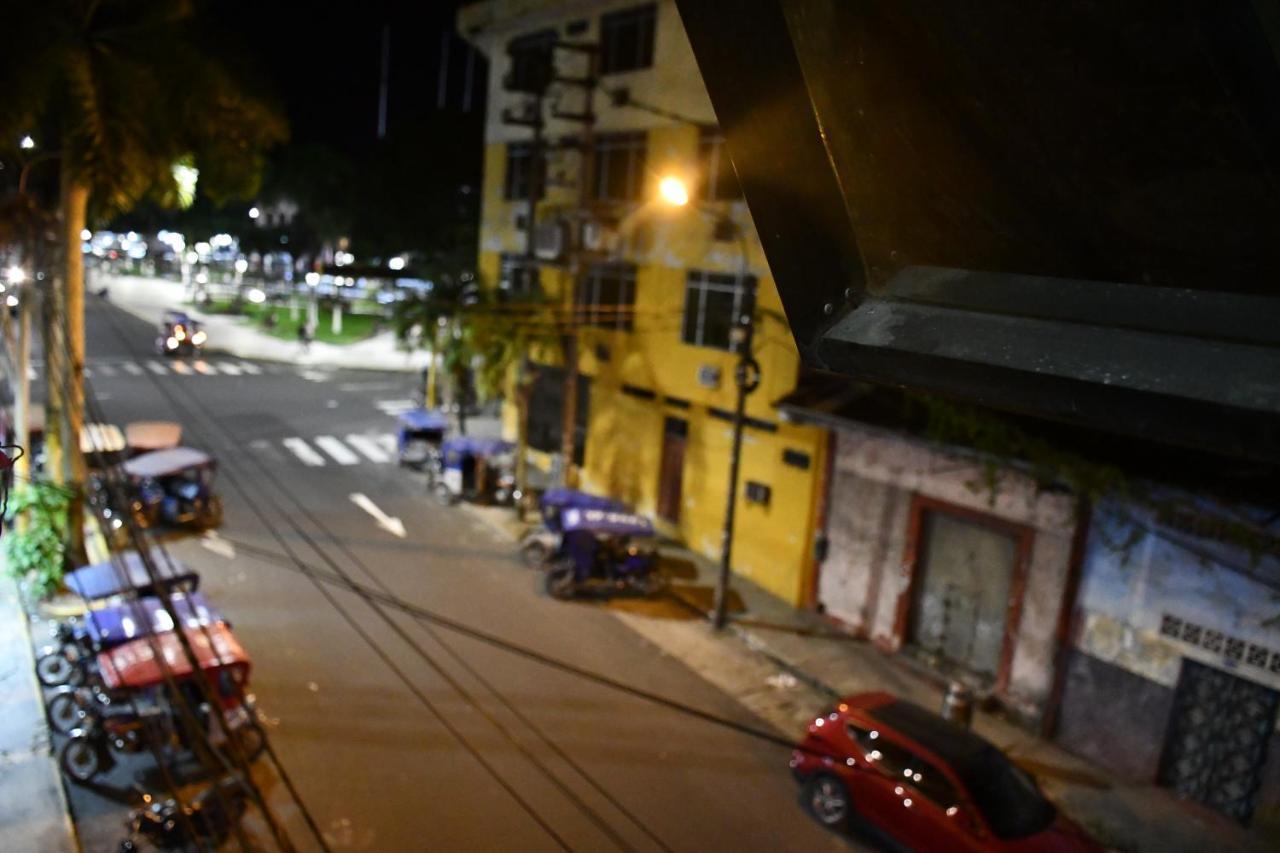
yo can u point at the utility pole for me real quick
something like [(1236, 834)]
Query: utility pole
[(746, 377), (578, 265), (382, 81)]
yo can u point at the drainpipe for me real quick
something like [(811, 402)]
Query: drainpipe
[(1066, 615)]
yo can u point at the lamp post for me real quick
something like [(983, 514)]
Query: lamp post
[(746, 378)]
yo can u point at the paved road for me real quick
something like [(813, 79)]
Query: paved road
[(462, 746)]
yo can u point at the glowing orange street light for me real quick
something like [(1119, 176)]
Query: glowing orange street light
[(673, 191)]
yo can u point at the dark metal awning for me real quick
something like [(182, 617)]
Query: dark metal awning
[(1068, 211)]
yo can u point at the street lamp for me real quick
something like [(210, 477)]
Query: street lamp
[(27, 143), (746, 377), (254, 213)]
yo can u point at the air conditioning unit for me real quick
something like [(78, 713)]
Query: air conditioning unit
[(549, 240)]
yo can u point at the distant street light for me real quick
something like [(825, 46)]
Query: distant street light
[(16, 275), (254, 213), (27, 143), (396, 263), (241, 265), (86, 235), (313, 278), (12, 301)]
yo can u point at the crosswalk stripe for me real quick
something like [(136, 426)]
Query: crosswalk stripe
[(228, 368), (369, 446), (202, 366), (157, 367), (303, 451), (104, 369), (249, 367), (335, 448), (131, 368), (180, 367), (388, 442), (395, 407)]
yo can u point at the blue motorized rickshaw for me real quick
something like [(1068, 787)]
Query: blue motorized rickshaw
[(476, 469), (175, 487), (104, 580), (180, 335), (604, 552), (540, 544), (420, 437)]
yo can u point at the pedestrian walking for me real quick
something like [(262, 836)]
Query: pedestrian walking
[(304, 337)]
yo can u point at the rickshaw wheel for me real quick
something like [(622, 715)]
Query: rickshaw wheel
[(54, 670), (559, 583), (79, 759), (65, 712), (212, 516), (443, 494), (534, 554), (252, 740)]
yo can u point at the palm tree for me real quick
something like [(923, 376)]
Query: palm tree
[(124, 91)]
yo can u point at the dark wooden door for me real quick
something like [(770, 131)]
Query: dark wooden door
[(675, 432)]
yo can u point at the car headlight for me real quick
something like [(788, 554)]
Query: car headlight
[(198, 338), (171, 343), (179, 332)]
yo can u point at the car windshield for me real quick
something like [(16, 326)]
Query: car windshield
[(1006, 795)]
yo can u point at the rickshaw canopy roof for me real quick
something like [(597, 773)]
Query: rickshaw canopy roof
[(161, 463), (468, 444), (113, 626), (153, 435), (171, 317), (103, 580), (607, 522), (424, 419), (101, 438), (134, 664), (562, 498)]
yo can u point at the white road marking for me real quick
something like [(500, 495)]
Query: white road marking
[(228, 368), (157, 367), (106, 370), (314, 375), (215, 543), (335, 448), (132, 368), (202, 366), (249, 367), (396, 407), (392, 525), (303, 451), (388, 442), (180, 367), (369, 447)]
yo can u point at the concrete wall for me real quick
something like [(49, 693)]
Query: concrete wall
[(876, 475)]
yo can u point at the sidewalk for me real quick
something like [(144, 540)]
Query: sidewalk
[(148, 299), (33, 806), (788, 666)]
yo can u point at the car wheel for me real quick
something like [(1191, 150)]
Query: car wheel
[(54, 670), (827, 799), (251, 739), (79, 759), (66, 712)]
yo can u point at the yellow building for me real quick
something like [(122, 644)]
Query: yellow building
[(658, 285)]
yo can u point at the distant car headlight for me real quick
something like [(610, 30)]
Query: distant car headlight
[(199, 338), (171, 343), (179, 332)]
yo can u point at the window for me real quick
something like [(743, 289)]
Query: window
[(626, 39), (525, 171), (518, 276), (899, 763), (619, 167), (531, 62), (721, 181), (711, 302), (607, 297), (546, 412)]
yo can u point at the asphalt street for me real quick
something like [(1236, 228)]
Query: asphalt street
[(400, 736)]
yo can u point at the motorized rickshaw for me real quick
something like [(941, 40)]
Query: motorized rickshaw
[(133, 670), (541, 543), (604, 552), (104, 580), (173, 486), (102, 444), (72, 665), (476, 469), (419, 438), (180, 335)]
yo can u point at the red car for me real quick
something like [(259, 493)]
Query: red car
[(925, 782)]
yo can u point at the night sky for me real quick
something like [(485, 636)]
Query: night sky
[(322, 61)]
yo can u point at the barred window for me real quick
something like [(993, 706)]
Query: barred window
[(525, 171), (711, 303), (606, 298), (531, 62), (626, 39), (619, 167), (518, 276)]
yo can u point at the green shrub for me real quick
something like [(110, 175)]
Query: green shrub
[(38, 553)]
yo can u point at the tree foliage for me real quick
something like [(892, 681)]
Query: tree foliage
[(37, 554)]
